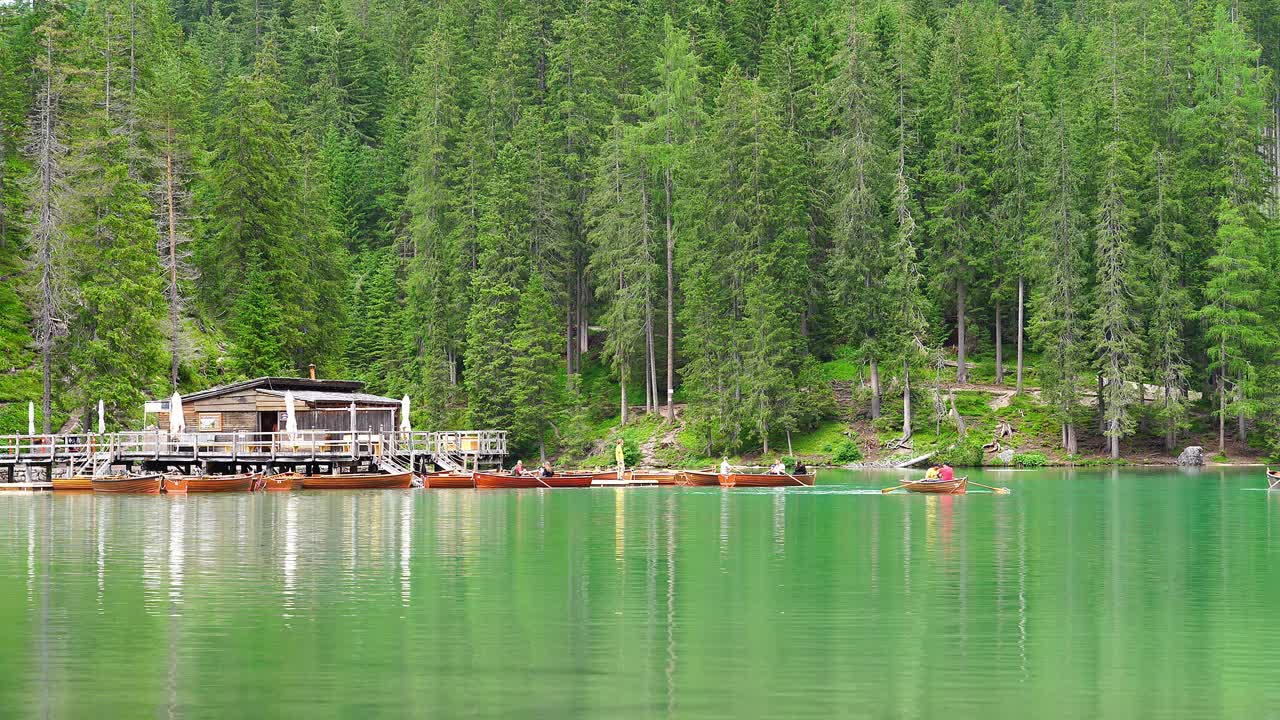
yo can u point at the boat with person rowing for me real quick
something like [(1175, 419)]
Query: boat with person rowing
[(283, 481), (1273, 480), (938, 487), (359, 481), (493, 481), (698, 477), (756, 480), (132, 484), (448, 479)]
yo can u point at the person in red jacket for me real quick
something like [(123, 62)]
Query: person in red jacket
[(947, 473)]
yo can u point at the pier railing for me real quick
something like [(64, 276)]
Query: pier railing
[(301, 446)]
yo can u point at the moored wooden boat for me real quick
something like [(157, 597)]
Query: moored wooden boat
[(448, 480), (175, 484), (79, 483), (1273, 480), (697, 477), (938, 487), (283, 481), (661, 477), (605, 475), (359, 481), (755, 480), (222, 483), (143, 484), (503, 480)]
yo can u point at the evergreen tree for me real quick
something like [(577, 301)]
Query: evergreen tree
[(1233, 325), (533, 368)]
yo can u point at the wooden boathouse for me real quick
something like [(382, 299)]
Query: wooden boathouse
[(258, 406), (241, 427)]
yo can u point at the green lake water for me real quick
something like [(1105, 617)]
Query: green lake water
[(1084, 594)]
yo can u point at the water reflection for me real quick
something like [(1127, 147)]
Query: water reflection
[(1095, 598)]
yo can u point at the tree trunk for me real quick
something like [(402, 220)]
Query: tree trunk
[(906, 400), (1114, 440), (1168, 422), (1072, 447), (1222, 412), (789, 450), (671, 305), (999, 348), (1102, 405), (1021, 305), (962, 370), (875, 389), (1240, 418), (764, 434), (175, 325), (622, 376)]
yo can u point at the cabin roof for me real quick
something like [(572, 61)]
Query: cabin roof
[(278, 383), (312, 397)]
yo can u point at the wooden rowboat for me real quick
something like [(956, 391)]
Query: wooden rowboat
[(605, 475), (73, 483), (752, 480), (939, 487), (659, 476), (359, 481), (175, 484), (144, 484), (1273, 480), (494, 481), (222, 483), (695, 477), (447, 480), (283, 481)]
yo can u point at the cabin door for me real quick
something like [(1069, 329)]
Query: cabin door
[(269, 421)]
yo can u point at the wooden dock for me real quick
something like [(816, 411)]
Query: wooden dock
[(224, 452)]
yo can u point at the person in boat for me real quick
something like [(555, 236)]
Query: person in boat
[(931, 473), (724, 466), (519, 468), (800, 468), (777, 468), (946, 473), (620, 457), (546, 470)]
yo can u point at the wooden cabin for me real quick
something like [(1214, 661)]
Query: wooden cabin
[(258, 406)]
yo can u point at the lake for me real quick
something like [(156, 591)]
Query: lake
[(1085, 594)]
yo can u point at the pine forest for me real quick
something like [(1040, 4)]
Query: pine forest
[(841, 229)]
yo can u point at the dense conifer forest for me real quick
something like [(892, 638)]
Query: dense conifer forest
[(547, 215)]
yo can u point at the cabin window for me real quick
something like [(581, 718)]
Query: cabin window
[(210, 422)]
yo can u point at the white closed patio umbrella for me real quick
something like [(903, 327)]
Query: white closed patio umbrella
[(102, 418), (405, 426), (290, 415), (177, 421), (31, 418)]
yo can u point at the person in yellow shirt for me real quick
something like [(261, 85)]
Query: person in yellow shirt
[(617, 454), (931, 473)]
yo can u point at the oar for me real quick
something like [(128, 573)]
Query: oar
[(896, 487), (794, 480), (996, 490)]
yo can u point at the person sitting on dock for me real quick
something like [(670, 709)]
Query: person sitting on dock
[(724, 466), (946, 473), (519, 468), (546, 470), (800, 468), (931, 473)]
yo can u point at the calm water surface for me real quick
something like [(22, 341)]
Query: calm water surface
[(1098, 594)]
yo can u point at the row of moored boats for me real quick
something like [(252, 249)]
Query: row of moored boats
[(153, 484)]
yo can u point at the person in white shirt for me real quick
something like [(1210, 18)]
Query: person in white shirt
[(724, 466)]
